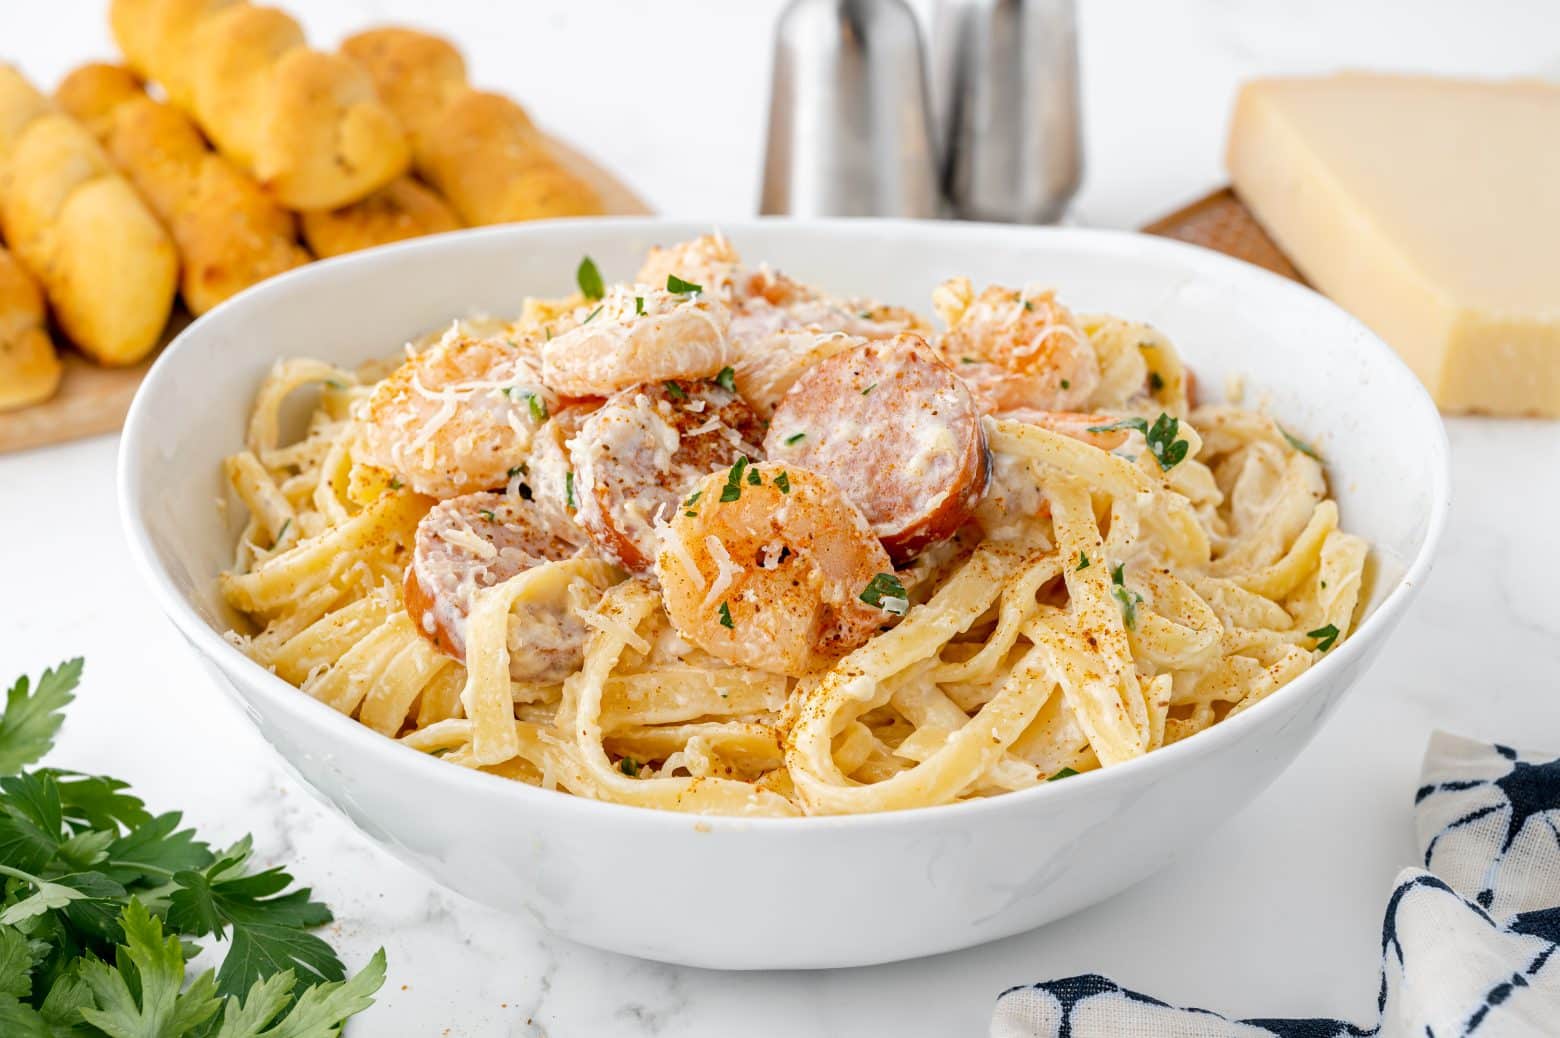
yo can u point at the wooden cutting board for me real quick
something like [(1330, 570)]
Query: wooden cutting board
[(94, 400)]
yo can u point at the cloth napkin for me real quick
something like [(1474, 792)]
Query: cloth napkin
[(1470, 944)]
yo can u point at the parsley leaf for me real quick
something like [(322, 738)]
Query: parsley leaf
[(588, 317), (1083, 561), (793, 439), (1064, 773), (727, 379), (488, 515), (1297, 443), (1161, 437), (1325, 636), (639, 306), (725, 616), (589, 279), (677, 285), (32, 716), (887, 593), (675, 391), (732, 491), (629, 766), (154, 1006), (568, 490), (783, 481), (1128, 598)]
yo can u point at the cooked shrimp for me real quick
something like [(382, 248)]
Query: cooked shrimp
[(1016, 349), (474, 542), (765, 566), (708, 261), (456, 417), (637, 455), (638, 334)]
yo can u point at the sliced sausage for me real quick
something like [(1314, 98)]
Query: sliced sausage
[(639, 453), (897, 431), (470, 543)]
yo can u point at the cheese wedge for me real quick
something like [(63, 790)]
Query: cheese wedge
[(1428, 208)]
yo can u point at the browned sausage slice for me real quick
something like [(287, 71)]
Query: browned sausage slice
[(641, 451), (894, 428), (473, 542)]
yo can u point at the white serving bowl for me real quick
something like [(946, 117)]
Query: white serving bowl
[(810, 892)]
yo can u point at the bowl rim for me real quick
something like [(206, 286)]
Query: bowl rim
[(304, 709)]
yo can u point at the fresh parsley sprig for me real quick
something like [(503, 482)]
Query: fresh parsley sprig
[(1161, 437), (102, 902)]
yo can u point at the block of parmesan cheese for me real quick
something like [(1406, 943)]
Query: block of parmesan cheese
[(1430, 209)]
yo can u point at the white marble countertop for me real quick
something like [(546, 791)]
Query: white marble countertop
[(1277, 914)]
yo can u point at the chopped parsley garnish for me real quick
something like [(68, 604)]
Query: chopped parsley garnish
[(335, 383), (591, 316), (1083, 561), (793, 439), (1156, 381), (1128, 598), (488, 515), (727, 379), (629, 766), (517, 470), (869, 389), (282, 532), (784, 483), (966, 360), (887, 593), (1325, 637), (538, 408), (589, 279), (568, 489), (1064, 773), (1161, 437), (639, 306), (1028, 305), (693, 499), (1066, 383), (733, 488), (675, 391), (725, 616), (754, 479), (396, 484), (680, 287), (1298, 444)]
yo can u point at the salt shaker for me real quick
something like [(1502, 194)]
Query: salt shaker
[(849, 123), (1006, 77)]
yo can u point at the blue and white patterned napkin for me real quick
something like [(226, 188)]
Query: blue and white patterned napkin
[(1470, 945)]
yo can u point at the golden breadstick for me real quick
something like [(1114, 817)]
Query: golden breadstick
[(479, 149), (408, 208), (306, 124), (29, 368), (106, 264), (229, 233)]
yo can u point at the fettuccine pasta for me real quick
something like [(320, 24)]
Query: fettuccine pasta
[(715, 541)]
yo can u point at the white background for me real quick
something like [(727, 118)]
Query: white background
[(1278, 914)]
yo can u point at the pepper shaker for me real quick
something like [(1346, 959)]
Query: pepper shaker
[(1006, 76), (850, 122)]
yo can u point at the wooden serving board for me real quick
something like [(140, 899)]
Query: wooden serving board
[(93, 400)]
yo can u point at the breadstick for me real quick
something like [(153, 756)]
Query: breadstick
[(479, 149), (105, 263), (408, 208), (306, 124), (29, 368), (229, 233)]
